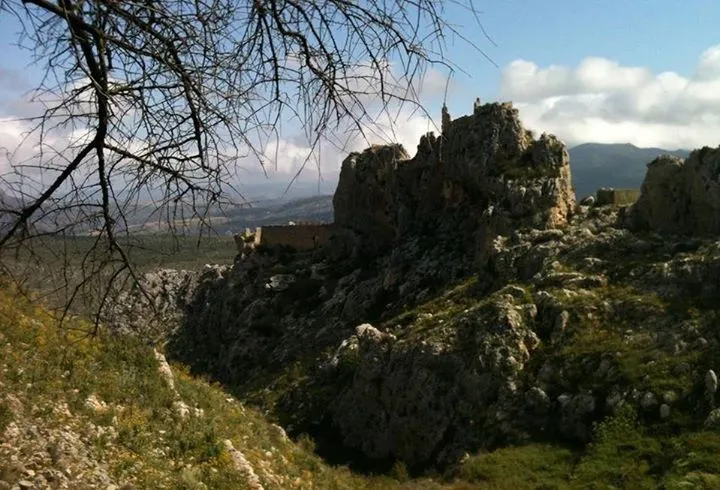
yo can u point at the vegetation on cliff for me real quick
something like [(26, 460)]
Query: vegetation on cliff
[(98, 412)]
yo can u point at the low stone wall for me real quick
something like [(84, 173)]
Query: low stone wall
[(617, 197), (300, 237)]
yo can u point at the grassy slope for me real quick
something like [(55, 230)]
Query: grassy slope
[(140, 441), (137, 439)]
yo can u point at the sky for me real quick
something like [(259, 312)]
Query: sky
[(645, 72)]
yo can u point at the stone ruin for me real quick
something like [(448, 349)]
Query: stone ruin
[(484, 167), (300, 236), (608, 196)]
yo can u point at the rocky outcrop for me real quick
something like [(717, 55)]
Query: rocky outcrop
[(364, 199), (482, 165), (428, 222), (154, 306), (488, 312), (559, 328), (423, 401), (680, 196)]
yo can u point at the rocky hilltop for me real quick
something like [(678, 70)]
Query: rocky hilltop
[(468, 303), (484, 169)]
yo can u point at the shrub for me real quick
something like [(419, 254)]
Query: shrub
[(621, 455)]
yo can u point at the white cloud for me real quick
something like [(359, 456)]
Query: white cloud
[(20, 145), (285, 157), (599, 100)]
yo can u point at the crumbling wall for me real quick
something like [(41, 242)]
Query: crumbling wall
[(300, 237), (608, 196)]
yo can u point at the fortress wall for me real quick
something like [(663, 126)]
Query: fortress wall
[(300, 237), (617, 197)]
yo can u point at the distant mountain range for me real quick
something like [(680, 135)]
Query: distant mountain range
[(596, 165)]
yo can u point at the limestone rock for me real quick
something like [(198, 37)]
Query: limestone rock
[(243, 466), (164, 370), (485, 166), (364, 199), (680, 197), (280, 282), (712, 421), (664, 410), (154, 304), (587, 201), (711, 382), (95, 404), (648, 401), (412, 400), (537, 399)]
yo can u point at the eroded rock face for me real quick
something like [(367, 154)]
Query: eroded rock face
[(417, 400), (482, 164), (429, 222), (489, 159), (363, 200), (421, 356), (680, 197), (150, 307)]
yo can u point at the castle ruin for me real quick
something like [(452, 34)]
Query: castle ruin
[(300, 236)]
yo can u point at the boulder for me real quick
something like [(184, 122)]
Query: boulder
[(680, 196)]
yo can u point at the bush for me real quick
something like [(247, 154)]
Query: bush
[(621, 456)]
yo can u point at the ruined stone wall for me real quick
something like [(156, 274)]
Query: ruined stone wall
[(300, 237), (617, 197)]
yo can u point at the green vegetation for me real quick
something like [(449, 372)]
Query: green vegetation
[(615, 325), (531, 466), (430, 316), (621, 456), (623, 334), (146, 251), (47, 368), (54, 266), (526, 169)]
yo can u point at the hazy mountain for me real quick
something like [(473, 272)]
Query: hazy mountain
[(596, 165)]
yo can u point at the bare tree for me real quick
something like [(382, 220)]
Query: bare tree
[(164, 99)]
